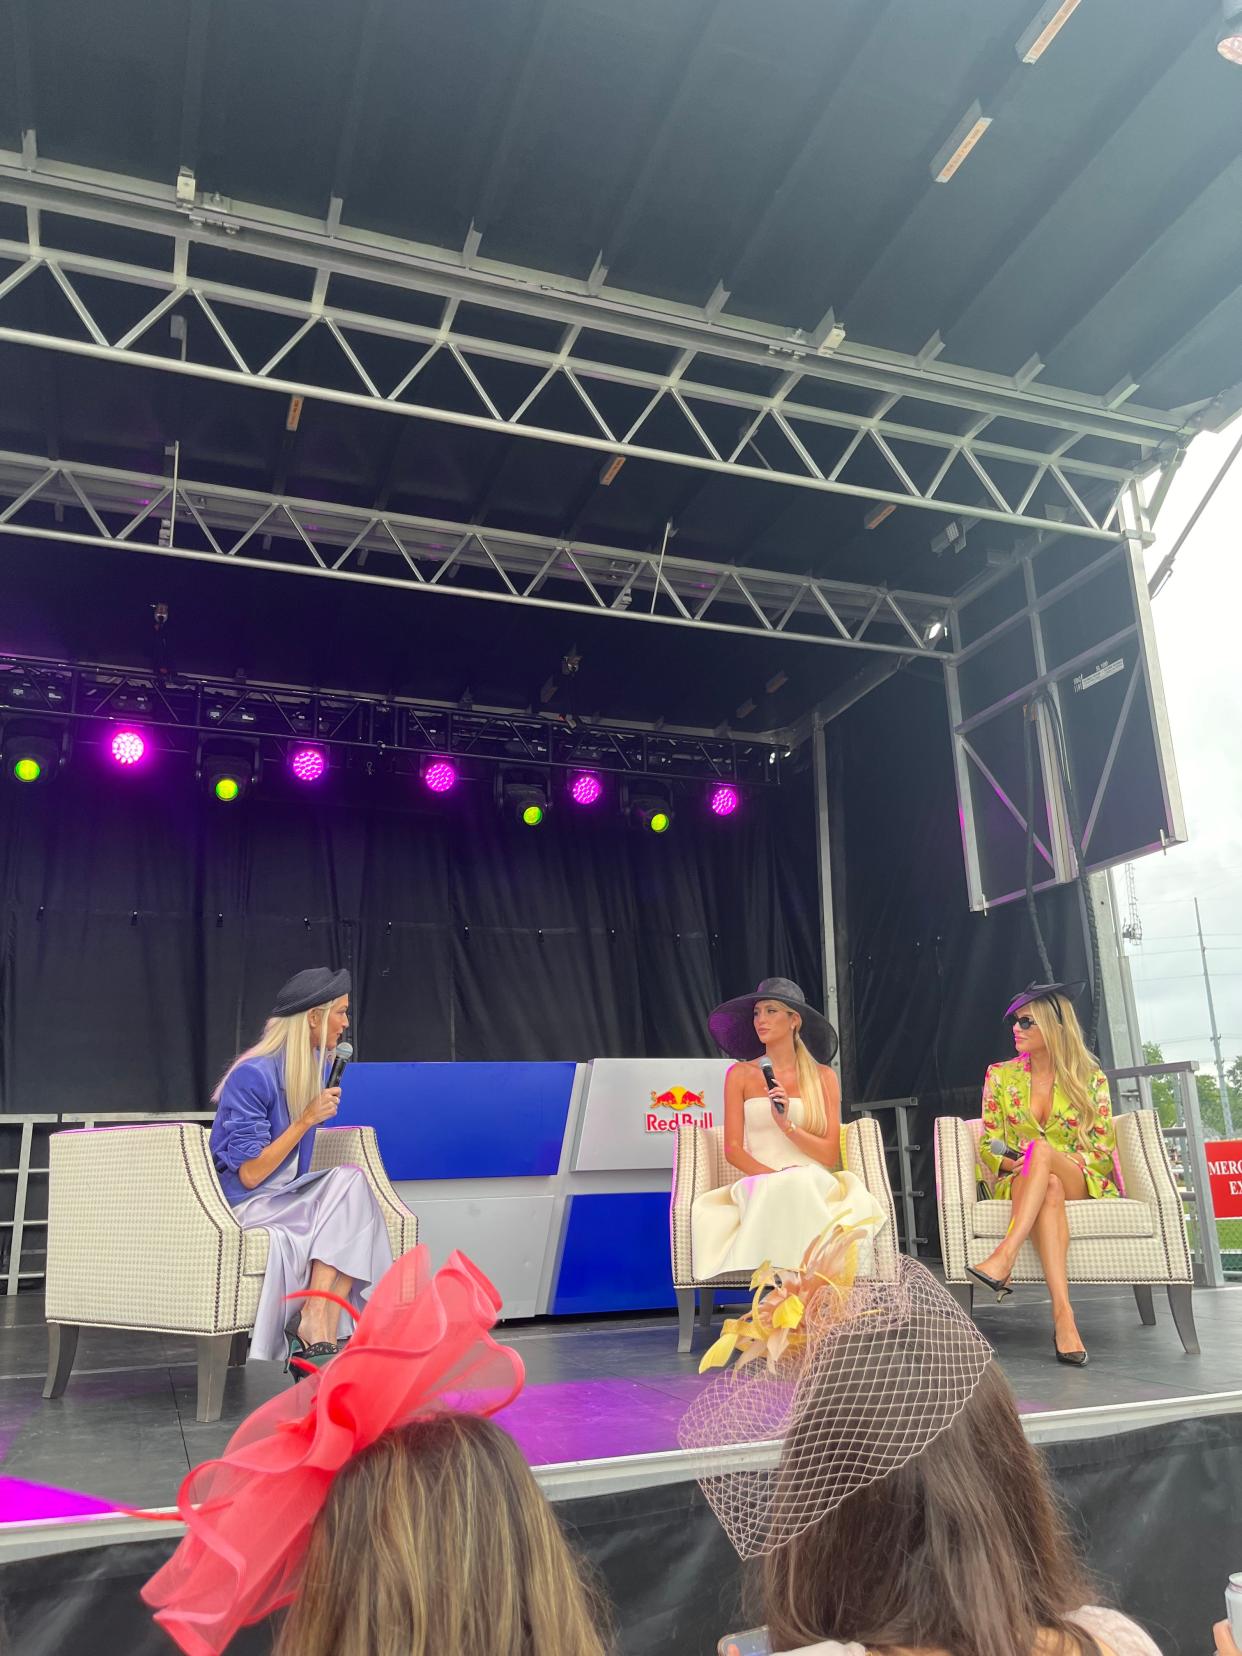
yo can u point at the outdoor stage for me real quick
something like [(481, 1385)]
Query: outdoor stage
[(1143, 1429)]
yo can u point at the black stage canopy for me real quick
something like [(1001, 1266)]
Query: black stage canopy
[(719, 351)]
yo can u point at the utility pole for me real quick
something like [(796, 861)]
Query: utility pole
[(1220, 1063)]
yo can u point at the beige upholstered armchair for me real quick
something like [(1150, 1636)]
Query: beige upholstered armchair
[(699, 1165), (140, 1236), (1138, 1239)]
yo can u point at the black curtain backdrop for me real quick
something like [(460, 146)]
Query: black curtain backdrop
[(923, 981), (146, 927)]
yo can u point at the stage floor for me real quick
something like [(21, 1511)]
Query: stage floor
[(600, 1408)]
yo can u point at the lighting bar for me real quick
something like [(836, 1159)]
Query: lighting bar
[(965, 135), (1048, 23), (876, 516)]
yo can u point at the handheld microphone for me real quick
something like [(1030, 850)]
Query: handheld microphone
[(344, 1052), (998, 1147), (769, 1076)]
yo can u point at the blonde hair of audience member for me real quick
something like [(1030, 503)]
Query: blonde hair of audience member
[(1073, 1067), (305, 1056), (436, 1541)]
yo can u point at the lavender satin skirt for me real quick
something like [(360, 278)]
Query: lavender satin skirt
[(330, 1216)]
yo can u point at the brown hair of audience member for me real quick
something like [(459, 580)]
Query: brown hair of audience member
[(962, 1549), (436, 1541)]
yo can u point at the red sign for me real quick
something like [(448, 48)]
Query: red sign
[(1224, 1159)]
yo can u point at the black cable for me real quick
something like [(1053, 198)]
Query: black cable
[(1084, 879), (1028, 724)]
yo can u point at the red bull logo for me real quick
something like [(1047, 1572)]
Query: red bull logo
[(680, 1103)]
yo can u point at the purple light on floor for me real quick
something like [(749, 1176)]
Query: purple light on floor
[(725, 800), (585, 789), (308, 764), (440, 776), (128, 747)]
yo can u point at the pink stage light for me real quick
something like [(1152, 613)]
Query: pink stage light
[(585, 789), (440, 776), (308, 764), (128, 747), (725, 800)]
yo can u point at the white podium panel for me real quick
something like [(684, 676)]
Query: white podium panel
[(632, 1106)]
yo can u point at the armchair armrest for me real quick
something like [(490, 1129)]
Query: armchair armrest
[(1144, 1162), (862, 1153), (140, 1234), (357, 1147), (956, 1192)]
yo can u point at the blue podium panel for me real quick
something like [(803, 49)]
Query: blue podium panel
[(461, 1121), (616, 1254)]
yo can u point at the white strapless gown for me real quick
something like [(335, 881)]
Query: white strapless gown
[(776, 1216)]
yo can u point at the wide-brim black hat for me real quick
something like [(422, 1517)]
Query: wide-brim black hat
[(733, 1023), (1044, 991), (316, 986)]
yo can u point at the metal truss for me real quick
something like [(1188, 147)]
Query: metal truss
[(797, 424), (370, 733), (176, 517)]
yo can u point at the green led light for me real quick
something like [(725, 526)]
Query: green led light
[(27, 770), (532, 816), (661, 822), (227, 788)]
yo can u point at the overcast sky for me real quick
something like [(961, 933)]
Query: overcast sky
[(1200, 643)]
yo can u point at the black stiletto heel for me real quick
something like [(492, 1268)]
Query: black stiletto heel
[(1002, 1290), (1075, 1359)]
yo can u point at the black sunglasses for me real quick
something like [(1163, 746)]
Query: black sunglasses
[(1024, 1023)]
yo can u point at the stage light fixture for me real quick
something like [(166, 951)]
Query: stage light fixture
[(1229, 38), (525, 796), (935, 629), (724, 799), (585, 788), (33, 751), (308, 764), (128, 747), (1051, 19), (650, 811), (228, 769), (439, 775)]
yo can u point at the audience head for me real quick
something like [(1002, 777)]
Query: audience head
[(907, 1510), (436, 1541)]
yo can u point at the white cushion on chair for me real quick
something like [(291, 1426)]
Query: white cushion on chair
[(1106, 1216)]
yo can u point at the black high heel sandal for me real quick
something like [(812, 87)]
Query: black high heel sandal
[(311, 1357), (1002, 1290), (294, 1347)]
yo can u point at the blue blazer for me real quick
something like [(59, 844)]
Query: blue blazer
[(252, 1112)]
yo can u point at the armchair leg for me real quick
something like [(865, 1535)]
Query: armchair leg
[(1180, 1304), (239, 1350), (213, 1365), (685, 1318), (707, 1303), (964, 1294), (1147, 1311), (62, 1348)]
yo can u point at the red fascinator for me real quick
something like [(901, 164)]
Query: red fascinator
[(422, 1347)]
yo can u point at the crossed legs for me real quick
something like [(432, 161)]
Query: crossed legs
[(1039, 1197), (320, 1318)]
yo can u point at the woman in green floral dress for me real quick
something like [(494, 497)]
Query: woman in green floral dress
[(1048, 1109)]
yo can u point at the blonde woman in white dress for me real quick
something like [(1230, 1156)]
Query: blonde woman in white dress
[(785, 1142)]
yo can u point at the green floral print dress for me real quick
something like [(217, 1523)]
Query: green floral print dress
[(1007, 1116)]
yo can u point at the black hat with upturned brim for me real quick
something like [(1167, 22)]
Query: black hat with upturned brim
[(733, 1023), (316, 986), (1044, 991)]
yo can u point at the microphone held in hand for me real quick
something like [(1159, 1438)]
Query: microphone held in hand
[(769, 1077), (998, 1147), (344, 1052)]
